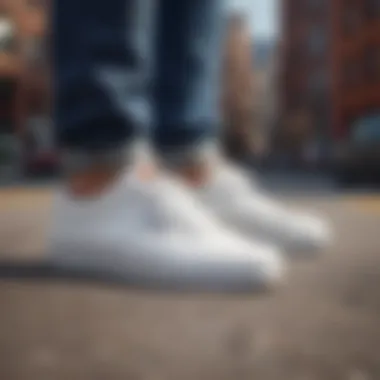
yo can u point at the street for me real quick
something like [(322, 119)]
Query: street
[(323, 324)]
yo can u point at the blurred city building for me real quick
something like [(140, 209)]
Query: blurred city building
[(265, 66), (330, 73), (24, 87), (306, 90), (23, 76), (238, 88), (356, 62), (356, 90)]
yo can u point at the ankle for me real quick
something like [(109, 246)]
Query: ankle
[(195, 174), (194, 164), (92, 182), (89, 174)]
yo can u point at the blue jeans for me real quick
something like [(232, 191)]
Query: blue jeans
[(126, 69)]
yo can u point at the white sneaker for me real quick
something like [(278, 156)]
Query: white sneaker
[(155, 233), (242, 205)]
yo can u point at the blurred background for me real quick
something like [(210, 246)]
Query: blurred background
[(301, 87), (301, 104)]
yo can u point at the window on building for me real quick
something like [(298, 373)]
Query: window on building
[(317, 42), (7, 34)]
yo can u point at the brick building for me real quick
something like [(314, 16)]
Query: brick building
[(330, 70), (356, 62), (305, 76)]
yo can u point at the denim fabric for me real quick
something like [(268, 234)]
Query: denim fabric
[(186, 90), (127, 69)]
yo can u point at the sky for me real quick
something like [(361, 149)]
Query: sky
[(263, 16)]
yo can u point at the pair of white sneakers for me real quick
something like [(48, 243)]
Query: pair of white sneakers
[(226, 235)]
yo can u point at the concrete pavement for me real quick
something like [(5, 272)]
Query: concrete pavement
[(323, 324)]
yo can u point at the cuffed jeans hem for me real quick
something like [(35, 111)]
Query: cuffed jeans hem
[(80, 160), (196, 153)]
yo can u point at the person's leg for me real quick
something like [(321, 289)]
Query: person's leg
[(102, 65), (190, 53), (228, 190), (189, 56), (148, 231)]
